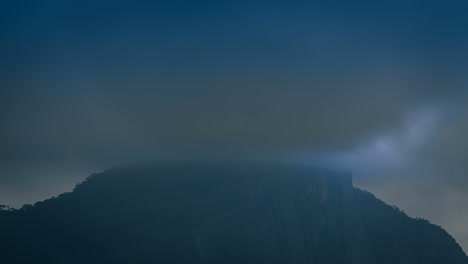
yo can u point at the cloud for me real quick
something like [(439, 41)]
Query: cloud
[(86, 86), (407, 167), (395, 149)]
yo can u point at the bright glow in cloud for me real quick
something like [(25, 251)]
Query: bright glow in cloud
[(391, 151)]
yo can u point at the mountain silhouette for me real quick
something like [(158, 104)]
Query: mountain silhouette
[(193, 212)]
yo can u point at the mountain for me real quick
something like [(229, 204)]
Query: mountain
[(188, 212)]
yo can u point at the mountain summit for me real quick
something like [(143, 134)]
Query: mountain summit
[(187, 212)]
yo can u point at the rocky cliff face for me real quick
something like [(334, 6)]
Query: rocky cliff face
[(220, 213)]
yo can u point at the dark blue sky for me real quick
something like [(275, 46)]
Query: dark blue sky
[(378, 88)]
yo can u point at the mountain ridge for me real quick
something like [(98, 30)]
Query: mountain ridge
[(192, 212)]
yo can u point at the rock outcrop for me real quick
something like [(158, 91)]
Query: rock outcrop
[(178, 212)]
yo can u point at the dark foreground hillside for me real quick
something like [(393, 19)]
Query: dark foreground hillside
[(231, 213)]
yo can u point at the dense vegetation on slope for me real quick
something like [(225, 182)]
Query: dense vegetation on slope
[(220, 213)]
